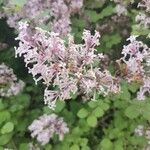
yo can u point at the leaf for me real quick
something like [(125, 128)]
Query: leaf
[(1, 148), (8, 127), (119, 145), (137, 30), (59, 106), (92, 121), (125, 95), (104, 105), (132, 112), (93, 16), (98, 112), (24, 146), (113, 40), (82, 113), (85, 148), (109, 10), (4, 139), (74, 147), (92, 104), (2, 106), (146, 111), (79, 23), (133, 87), (106, 144), (83, 142), (4, 115)]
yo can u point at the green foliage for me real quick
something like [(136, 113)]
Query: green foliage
[(94, 16), (8, 127)]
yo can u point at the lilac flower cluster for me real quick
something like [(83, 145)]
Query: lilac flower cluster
[(46, 126), (142, 18), (70, 68), (136, 56), (121, 7), (145, 4), (9, 85), (55, 13)]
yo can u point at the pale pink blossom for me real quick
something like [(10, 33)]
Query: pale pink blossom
[(68, 67), (121, 9), (46, 126), (145, 4), (143, 19), (9, 84), (136, 57), (54, 14)]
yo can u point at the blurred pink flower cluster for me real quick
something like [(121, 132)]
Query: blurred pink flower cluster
[(70, 68), (46, 126), (145, 4), (55, 13), (9, 84), (143, 18), (136, 56)]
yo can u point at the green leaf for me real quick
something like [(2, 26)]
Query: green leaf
[(59, 106), (113, 40), (74, 147), (92, 104), (125, 95), (8, 127), (132, 112), (4, 115), (47, 110), (78, 23), (5, 138), (85, 148), (2, 106), (137, 30), (82, 113), (24, 146), (1, 148), (146, 111), (133, 87), (118, 145), (104, 105), (109, 10), (92, 121), (93, 16), (106, 144), (98, 112)]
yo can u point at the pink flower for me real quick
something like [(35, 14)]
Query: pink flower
[(9, 83), (46, 126), (68, 67), (136, 57)]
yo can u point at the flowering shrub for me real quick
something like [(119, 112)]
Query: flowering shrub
[(46, 12), (70, 68), (90, 61), (46, 126)]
